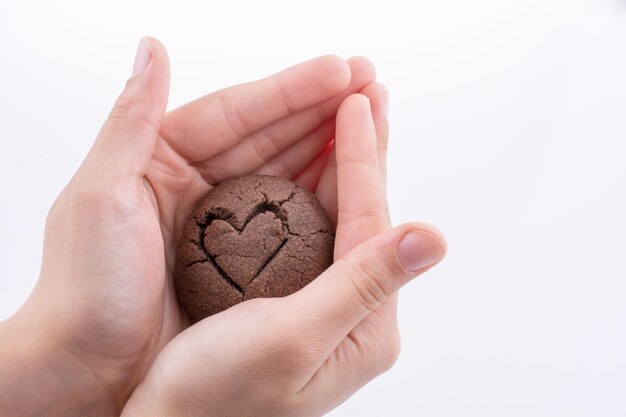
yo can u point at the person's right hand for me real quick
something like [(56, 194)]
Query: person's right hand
[(304, 354)]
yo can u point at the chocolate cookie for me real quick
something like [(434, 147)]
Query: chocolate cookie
[(249, 237)]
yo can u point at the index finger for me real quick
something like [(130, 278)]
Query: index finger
[(361, 197), (213, 123)]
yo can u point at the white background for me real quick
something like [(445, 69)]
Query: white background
[(508, 132)]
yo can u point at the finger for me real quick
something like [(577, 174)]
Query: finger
[(355, 286), (361, 201), (326, 191), (127, 140), (292, 161), (310, 177), (359, 230), (379, 101), (213, 123), (271, 144)]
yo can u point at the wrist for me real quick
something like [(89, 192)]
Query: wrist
[(41, 376)]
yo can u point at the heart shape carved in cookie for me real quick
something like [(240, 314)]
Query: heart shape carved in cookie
[(242, 255)]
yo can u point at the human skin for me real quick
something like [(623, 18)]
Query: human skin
[(302, 355), (104, 305)]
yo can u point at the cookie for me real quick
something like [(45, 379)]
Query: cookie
[(249, 237)]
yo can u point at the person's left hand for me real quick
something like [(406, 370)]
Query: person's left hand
[(302, 355), (105, 304)]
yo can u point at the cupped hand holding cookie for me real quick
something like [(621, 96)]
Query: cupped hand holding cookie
[(303, 354), (105, 304)]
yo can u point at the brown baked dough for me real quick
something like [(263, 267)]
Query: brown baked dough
[(249, 237)]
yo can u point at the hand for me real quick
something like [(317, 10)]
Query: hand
[(304, 354), (104, 305)]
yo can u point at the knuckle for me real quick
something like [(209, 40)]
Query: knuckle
[(213, 172), (382, 351), (58, 202), (322, 112), (122, 107), (326, 132), (57, 211), (284, 95), (234, 119), (274, 144), (103, 201), (390, 353), (371, 283), (125, 108), (356, 161), (368, 219), (265, 145)]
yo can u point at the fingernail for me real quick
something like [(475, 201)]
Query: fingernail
[(142, 57), (417, 250), (386, 103)]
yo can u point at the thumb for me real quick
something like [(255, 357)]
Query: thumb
[(357, 284), (127, 140)]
